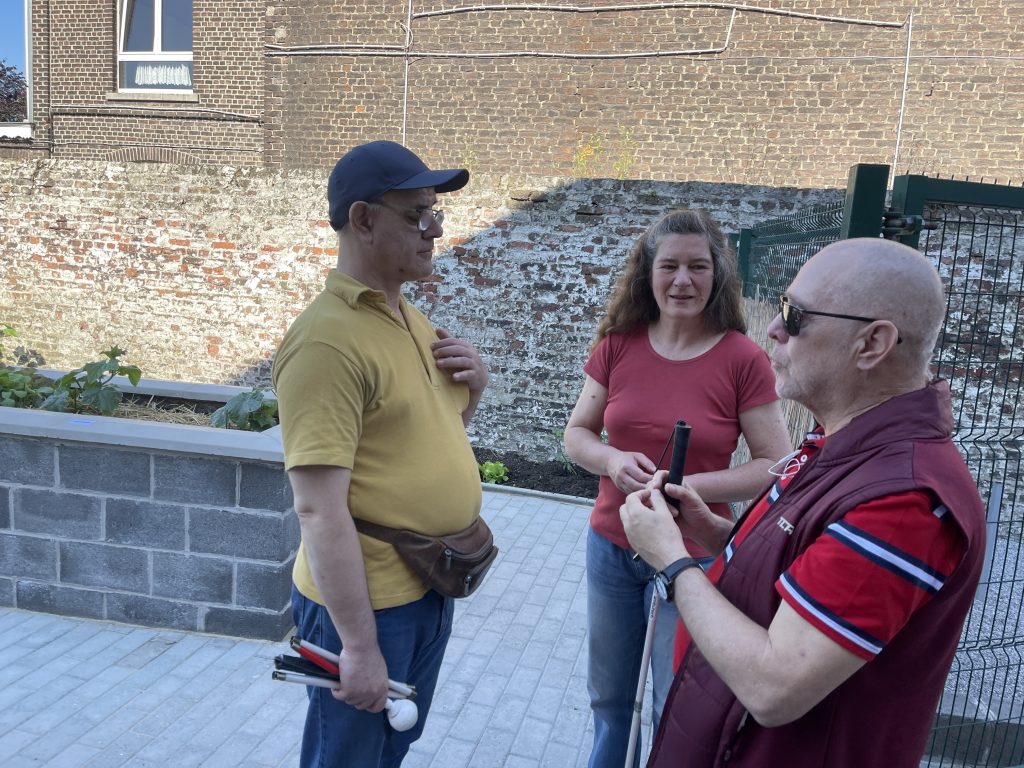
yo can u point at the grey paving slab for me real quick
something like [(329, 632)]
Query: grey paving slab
[(512, 691)]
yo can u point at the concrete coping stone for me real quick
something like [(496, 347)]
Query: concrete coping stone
[(215, 393), (135, 433)]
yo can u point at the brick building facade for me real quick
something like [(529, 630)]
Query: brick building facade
[(790, 92)]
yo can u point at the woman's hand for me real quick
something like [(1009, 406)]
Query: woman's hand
[(630, 470)]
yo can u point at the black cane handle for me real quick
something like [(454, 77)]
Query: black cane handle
[(680, 442)]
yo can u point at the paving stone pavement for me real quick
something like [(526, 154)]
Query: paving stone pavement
[(512, 692)]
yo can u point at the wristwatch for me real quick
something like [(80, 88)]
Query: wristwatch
[(664, 581)]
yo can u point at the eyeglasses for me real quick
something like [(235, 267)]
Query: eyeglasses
[(793, 317), (426, 216)]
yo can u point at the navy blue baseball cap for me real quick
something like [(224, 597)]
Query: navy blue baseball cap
[(368, 171)]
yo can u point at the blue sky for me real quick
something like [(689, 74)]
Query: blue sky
[(12, 32)]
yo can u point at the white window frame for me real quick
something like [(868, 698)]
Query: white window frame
[(156, 55), (23, 130)]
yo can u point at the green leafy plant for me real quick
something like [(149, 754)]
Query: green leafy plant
[(560, 455), (493, 472), (20, 385), (88, 389), (253, 411)]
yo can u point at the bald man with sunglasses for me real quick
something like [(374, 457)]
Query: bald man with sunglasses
[(823, 633)]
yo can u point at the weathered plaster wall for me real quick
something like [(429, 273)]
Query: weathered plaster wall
[(199, 271)]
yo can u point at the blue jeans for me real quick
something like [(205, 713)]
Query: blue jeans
[(619, 592), (412, 639)]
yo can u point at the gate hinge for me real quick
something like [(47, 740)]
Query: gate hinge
[(896, 224)]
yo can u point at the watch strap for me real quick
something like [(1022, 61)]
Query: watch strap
[(671, 572)]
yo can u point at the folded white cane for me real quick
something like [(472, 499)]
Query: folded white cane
[(680, 442)]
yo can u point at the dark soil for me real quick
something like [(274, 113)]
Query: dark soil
[(547, 476)]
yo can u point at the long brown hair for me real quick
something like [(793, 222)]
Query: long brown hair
[(632, 301)]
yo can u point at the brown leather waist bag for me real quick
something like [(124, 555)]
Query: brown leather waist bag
[(453, 565)]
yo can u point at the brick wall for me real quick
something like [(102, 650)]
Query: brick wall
[(199, 271), (144, 537), (773, 99)]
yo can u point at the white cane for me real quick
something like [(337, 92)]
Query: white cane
[(638, 703)]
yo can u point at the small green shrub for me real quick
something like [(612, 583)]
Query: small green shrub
[(493, 472), (87, 389), (252, 411)]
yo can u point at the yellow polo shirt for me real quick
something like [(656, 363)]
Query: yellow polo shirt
[(357, 390)]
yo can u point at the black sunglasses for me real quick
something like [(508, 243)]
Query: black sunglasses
[(793, 316)]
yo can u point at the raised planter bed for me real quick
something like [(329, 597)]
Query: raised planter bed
[(164, 525)]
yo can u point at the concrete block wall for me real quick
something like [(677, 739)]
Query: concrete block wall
[(125, 533)]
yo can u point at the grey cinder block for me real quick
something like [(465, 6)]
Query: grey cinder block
[(26, 461), (69, 515), (66, 601), (98, 468), (264, 586), (7, 593), (152, 611), (28, 557), (5, 507), (186, 577), (104, 565), (265, 486), (252, 535), (194, 481), (239, 622), (146, 524)]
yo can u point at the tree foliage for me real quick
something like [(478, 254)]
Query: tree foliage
[(13, 94)]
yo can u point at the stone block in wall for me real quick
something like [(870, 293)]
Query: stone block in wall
[(68, 515), (239, 622), (146, 524), (99, 468), (66, 601), (5, 507), (252, 535), (264, 586), (194, 481), (152, 611), (27, 557), (26, 461), (205, 579), (264, 486), (7, 593), (103, 565)]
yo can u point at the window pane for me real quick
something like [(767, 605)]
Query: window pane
[(13, 69), (169, 75), (177, 25), (138, 25)]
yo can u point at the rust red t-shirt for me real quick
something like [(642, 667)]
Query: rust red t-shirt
[(648, 394)]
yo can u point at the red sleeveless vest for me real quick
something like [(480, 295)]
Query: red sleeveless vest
[(881, 715)]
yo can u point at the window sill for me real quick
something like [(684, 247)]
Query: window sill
[(15, 131), (183, 98)]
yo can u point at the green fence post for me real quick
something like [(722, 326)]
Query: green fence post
[(865, 200), (744, 241), (909, 193)]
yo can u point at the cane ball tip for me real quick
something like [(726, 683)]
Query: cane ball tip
[(402, 714)]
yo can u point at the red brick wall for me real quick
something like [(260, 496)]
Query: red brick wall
[(788, 101)]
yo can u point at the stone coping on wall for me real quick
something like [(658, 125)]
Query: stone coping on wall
[(185, 390)]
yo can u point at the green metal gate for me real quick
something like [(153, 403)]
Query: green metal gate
[(974, 234)]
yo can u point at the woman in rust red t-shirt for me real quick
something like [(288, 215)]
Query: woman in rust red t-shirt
[(671, 346)]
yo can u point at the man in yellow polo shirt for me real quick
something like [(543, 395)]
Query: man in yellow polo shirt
[(374, 401)]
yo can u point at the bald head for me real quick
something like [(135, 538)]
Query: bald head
[(885, 280)]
